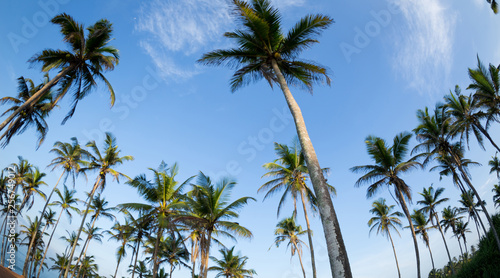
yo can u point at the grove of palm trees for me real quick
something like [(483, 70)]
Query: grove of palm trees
[(250, 138)]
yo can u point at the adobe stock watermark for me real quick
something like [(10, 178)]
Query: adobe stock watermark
[(31, 25), (11, 218), (364, 36)]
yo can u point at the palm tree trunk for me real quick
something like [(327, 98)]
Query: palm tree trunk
[(430, 252), (84, 250), (37, 95), (309, 234), (339, 262), (43, 210), (117, 265), (30, 246), (483, 131), (156, 264), (136, 255), (395, 257), (4, 239), (415, 243), (48, 243), (205, 255), (83, 256), (171, 270), (460, 245), (445, 244), (300, 259), (70, 257)]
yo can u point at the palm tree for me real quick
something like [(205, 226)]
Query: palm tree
[(165, 199), (80, 67), (264, 51), (460, 231), (103, 163), (389, 165), (496, 197), (33, 181), (494, 163), (466, 114), (433, 133), (50, 220), (140, 227), (431, 199), (470, 207), (450, 220), (93, 233), (67, 202), (89, 267), (33, 115), (210, 213), (59, 264), (231, 265), (289, 173), (121, 234), (494, 5), (30, 229), (384, 221), (141, 269), (173, 251), (287, 230), (420, 222), (486, 85)]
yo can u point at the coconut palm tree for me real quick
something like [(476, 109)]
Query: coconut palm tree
[(433, 133), (50, 220), (289, 173), (103, 162), (33, 181), (89, 267), (211, 212), (451, 216), (141, 269), (431, 199), (173, 251), (264, 51), (494, 163), (460, 231), (28, 230), (121, 234), (80, 68), (165, 199), (389, 165), (496, 197), (231, 265), (33, 115), (287, 230), (420, 222), (93, 233), (59, 264), (470, 207), (140, 227), (67, 202), (486, 85), (384, 221)]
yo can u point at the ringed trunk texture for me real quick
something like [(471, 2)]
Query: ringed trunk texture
[(339, 262), (309, 234), (395, 257)]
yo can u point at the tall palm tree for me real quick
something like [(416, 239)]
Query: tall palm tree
[(420, 222), (433, 133), (140, 227), (461, 230), (59, 264), (231, 265), (80, 68), (431, 199), (486, 86), (211, 212), (103, 162), (33, 115), (470, 207), (28, 230), (384, 221), (50, 220), (89, 267), (289, 173), (121, 234), (165, 199), (93, 233), (451, 216), (264, 51), (173, 251), (33, 181), (287, 230), (466, 117), (389, 164), (496, 197), (141, 269)]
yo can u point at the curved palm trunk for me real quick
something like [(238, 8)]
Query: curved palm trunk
[(300, 259), (339, 262), (309, 234), (156, 262), (415, 243), (84, 250), (118, 265), (430, 252), (171, 270), (136, 255), (445, 244), (43, 212), (82, 256), (34, 98), (460, 245), (395, 257), (70, 257), (28, 252), (485, 133), (48, 243)]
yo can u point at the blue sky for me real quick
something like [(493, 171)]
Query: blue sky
[(386, 58)]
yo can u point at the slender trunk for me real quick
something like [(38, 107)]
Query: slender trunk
[(43, 233), (477, 227), (83, 256), (415, 243), (30, 246), (478, 125), (465, 244), (135, 261), (43, 210), (309, 234), (4, 239), (117, 265), (395, 257), (84, 249), (205, 255), (460, 245), (171, 270), (430, 252), (339, 262), (445, 244), (300, 259), (48, 243), (155, 253), (34, 98), (70, 257)]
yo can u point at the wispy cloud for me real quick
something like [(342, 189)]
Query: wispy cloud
[(424, 44), (180, 29)]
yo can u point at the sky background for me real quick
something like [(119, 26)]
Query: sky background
[(387, 59)]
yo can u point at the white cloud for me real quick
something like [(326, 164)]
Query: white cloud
[(288, 3), (424, 44)]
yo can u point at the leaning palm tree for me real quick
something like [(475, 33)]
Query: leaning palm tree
[(287, 230), (28, 230), (33, 115), (211, 212), (103, 162), (121, 234), (264, 52), (93, 233), (384, 221), (420, 222), (471, 208), (431, 199), (80, 67), (494, 163), (231, 265), (486, 86), (460, 231), (289, 173), (59, 264), (33, 181), (389, 165), (496, 197)]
